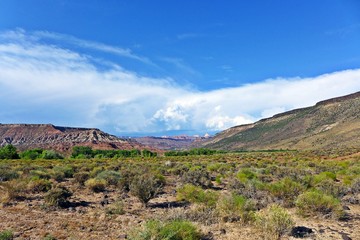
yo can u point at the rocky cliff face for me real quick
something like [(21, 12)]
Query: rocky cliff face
[(330, 124), (47, 136)]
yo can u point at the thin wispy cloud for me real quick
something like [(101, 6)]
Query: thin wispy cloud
[(48, 83), (180, 64), (21, 35), (124, 52)]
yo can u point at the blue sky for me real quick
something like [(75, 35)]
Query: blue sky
[(172, 67)]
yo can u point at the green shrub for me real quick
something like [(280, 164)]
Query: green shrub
[(51, 154), (355, 186), (58, 176), (252, 189), (332, 188), (31, 154), (111, 177), (7, 174), (57, 197), (81, 177), (116, 208), (233, 207), (174, 230), (67, 170), (274, 222), (286, 190), (6, 235), (245, 174), (145, 187), (82, 152), (49, 237), (40, 174), (195, 194), (96, 184), (314, 202), (37, 185), (8, 152), (197, 177), (324, 176)]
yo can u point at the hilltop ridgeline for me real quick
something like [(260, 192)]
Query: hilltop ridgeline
[(48, 136), (332, 123)]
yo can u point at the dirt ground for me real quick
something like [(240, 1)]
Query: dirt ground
[(86, 218)]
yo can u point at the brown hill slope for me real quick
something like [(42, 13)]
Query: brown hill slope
[(47, 136), (333, 123)]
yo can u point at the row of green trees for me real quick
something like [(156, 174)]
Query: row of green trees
[(88, 152), (10, 152), (194, 151)]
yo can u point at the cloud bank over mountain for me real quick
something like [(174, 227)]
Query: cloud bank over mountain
[(45, 81)]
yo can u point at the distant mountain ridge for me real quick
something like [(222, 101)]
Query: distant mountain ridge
[(48, 136), (332, 123), (170, 142)]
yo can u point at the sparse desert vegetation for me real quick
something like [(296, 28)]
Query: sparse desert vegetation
[(251, 195)]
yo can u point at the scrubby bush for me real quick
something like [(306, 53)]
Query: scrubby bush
[(332, 188), (174, 230), (314, 202), (235, 207), (96, 184), (116, 208), (111, 177), (197, 177), (146, 186), (286, 190), (7, 174), (37, 185), (252, 189), (51, 154), (49, 237), (324, 176), (12, 190), (67, 170), (355, 186), (274, 222), (245, 175), (57, 197), (195, 194), (81, 177), (6, 235), (40, 173)]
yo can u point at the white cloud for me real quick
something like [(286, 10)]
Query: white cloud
[(48, 83), (125, 52)]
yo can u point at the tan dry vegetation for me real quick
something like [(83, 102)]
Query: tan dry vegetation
[(87, 216)]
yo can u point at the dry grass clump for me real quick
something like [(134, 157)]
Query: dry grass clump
[(57, 197), (146, 186), (274, 222), (172, 230), (12, 191), (96, 184)]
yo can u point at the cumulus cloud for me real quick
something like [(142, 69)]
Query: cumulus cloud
[(47, 83)]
